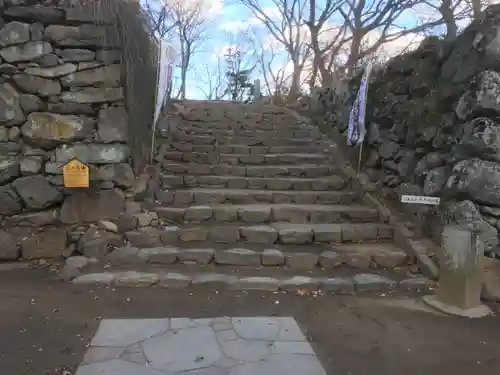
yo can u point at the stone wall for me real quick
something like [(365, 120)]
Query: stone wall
[(61, 96), (433, 117)]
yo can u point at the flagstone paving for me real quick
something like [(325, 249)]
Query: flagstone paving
[(212, 346)]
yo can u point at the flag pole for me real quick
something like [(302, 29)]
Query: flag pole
[(360, 156)]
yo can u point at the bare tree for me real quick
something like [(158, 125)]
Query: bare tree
[(160, 16), (214, 80), (286, 27), (191, 26)]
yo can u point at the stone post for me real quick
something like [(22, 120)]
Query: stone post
[(256, 91), (460, 274)]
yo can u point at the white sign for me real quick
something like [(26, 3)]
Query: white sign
[(420, 199)]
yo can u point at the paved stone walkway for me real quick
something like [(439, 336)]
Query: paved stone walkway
[(213, 346)]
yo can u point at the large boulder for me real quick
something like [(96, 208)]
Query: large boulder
[(109, 76), (37, 85), (8, 246), (26, 52), (10, 203), (48, 243), (53, 71), (47, 130), (481, 97), (10, 107), (14, 33), (112, 125), (36, 192), (75, 36), (479, 137), (9, 169), (94, 95), (121, 174), (93, 153), (43, 14), (91, 206), (76, 54), (478, 179)]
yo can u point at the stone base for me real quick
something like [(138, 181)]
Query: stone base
[(477, 312)]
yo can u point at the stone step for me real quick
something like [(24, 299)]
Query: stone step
[(250, 141), (268, 213), (269, 125), (243, 149), (235, 182), (245, 159), (359, 282), (298, 170), (249, 133), (309, 257), (245, 196), (279, 233)]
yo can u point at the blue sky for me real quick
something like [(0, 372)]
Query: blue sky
[(228, 18)]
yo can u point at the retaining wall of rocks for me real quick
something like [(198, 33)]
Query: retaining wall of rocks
[(433, 117), (61, 96)]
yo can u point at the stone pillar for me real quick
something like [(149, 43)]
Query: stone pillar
[(256, 91), (460, 274)]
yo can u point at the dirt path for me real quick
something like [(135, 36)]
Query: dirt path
[(45, 325)]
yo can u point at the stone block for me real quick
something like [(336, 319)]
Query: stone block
[(361, 260), (237, 257), (417, 284), (198, 213), (160, 255), (199, 256), (366, 282), (126, 255), (193, 234), (214, 280), (301, 260), (272, 257), (136, 279), (92, 206), (170, 234), (359, 233), (259, 234), (8, 246), (174, 280), (390, 260), (327, 233), (49, 243), (224, 234), (296, 235), (338, 285), (300, 283), (171, 214), (105, 278), (291, 214), (254, 214), (144, 237), (225, 214), (330, 259), (257, 283)]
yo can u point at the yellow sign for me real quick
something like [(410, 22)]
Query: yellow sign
[(76, 174)]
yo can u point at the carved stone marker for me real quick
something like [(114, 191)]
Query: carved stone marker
[(460, 275)]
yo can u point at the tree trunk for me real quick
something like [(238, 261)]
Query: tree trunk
[(446, 11), (354, 53), (295, 86)]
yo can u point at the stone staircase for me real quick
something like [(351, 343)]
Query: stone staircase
[(250, 198)]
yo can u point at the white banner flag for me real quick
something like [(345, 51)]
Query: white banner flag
[(356, 131), (165, 66)]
